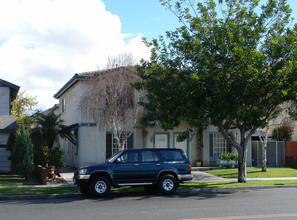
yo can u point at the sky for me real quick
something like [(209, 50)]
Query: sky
[(43, 43)]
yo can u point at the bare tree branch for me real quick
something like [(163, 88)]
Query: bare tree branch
[(112, 102)]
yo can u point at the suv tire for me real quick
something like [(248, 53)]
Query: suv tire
[(99, 186), (167, 184), (84, 189)]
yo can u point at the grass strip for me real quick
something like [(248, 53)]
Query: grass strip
[(255, 172), (37, 191), (16, 180)]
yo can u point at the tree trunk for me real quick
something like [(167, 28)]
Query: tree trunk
[(264, 157), (264, 149), (241, 148), (242, 173)]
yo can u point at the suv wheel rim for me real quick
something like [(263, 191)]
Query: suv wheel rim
[(168, 184), (100, 187)]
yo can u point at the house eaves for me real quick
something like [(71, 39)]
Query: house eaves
[(69, 84), (13, 88), (128, 70)]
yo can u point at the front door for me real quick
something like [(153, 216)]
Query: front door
[(128, 169)]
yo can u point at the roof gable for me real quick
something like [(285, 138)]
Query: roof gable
[(129, 70)]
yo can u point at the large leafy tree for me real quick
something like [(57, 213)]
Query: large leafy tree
[(231, 67), (21, 108)]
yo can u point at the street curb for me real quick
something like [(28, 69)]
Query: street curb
[(43, 196), (126, 193), (233, 189)]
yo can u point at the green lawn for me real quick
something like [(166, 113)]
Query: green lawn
[(16, 180), (255, 172), (37, 191)]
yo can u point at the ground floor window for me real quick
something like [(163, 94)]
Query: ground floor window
[(184, 145), (217, 146), (161, 140), (112, 146)]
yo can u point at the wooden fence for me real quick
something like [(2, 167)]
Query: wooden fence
[(291, 154)]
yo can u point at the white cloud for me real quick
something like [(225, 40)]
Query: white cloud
[(138, 48), (44, 42)]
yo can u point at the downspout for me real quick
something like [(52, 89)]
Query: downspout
[(154, 131)]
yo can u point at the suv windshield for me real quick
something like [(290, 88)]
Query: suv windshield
[(113, 158)]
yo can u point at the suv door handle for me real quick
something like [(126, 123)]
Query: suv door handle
[(158, 164), (136, 165)]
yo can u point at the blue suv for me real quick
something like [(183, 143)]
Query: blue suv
[(158, 170)]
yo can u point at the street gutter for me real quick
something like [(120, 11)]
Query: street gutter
[(138, 193)]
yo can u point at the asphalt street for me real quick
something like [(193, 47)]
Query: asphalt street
[(244, 204)]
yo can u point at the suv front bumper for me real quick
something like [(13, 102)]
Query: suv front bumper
[(79, 178), (185, 177)]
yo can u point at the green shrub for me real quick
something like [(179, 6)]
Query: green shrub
[(229, 156), (22, 154), (50, 157)]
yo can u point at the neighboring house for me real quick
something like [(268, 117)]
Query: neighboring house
[(8, 93), (92, 144)]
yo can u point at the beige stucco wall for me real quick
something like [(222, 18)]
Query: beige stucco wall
[(148, 139), (91, 147), (86, 151)]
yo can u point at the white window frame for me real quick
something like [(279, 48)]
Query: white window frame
[(114, 146), (219, 145)]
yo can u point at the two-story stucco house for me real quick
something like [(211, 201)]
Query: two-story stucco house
[(8, 93), (93, 144)]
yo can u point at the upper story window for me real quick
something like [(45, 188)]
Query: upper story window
[(63, 103)]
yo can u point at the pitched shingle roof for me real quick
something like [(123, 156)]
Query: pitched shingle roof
[(8, 123), (129, 70)]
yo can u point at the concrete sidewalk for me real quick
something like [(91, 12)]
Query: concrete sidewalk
[(68, 173)]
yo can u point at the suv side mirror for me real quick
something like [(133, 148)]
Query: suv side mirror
[(119, 160)]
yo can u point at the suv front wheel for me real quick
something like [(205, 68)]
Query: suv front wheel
[(99, 186), (167, 184)]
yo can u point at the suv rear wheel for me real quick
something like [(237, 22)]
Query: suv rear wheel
[(167, 184), (99, 186)]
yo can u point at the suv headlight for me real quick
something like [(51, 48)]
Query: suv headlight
[(82, 171)]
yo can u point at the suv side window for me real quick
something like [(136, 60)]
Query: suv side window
[(129, 157), (172, 155), (148, 156)]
